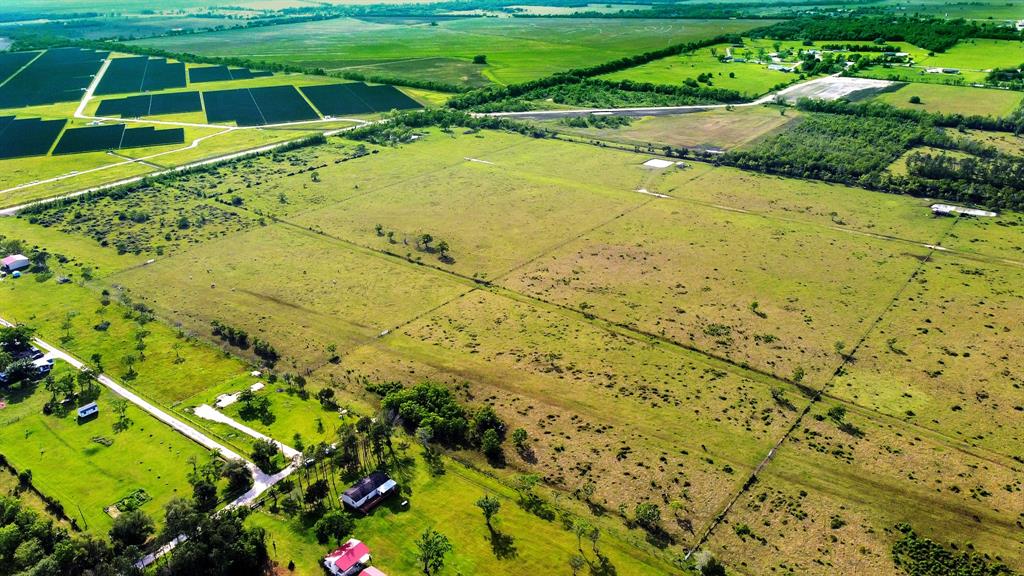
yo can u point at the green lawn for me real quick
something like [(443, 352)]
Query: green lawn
[(516, 49), (954, 99), (978, 54), (86, 476), (446, 503)]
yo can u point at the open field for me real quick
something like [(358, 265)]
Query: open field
[(978, 54), (842, 494), (917, 74), (944, 356), (954, 99), (214, 282), (604, 405), (517, 50), (658, 346), (710, 130), (662, 270)]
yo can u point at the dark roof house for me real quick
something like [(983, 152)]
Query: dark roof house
[(366, 494)]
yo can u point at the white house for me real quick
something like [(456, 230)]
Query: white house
[(14, 262), (368, 492)]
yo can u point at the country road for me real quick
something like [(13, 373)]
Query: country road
[(261, 481)]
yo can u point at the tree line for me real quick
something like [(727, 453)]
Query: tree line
[(935, 34), (490, 94)]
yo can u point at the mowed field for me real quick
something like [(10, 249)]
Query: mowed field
[(968, 101), (657, 346), (517, 49)]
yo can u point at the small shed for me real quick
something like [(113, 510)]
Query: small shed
[(88, 410), (14, 262), (371, 571)]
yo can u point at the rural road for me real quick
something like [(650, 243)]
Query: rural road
[(818, 87), (261, 481)]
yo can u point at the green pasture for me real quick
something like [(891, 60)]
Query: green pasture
[(918, 74), (516, 49), (978, 54), (745, 77), (85, 475), (174, 366), (968, 101)]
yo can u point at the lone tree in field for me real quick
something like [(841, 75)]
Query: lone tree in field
[(480, 59), (432, 547), (489, 505)]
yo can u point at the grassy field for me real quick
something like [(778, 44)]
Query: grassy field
[(516, 50), (918, 74), (86, 475), (716, 129), (841, 495), (978, 54), (954, 99), (745, 77), (941, 356), (658, 346), (662, 269)]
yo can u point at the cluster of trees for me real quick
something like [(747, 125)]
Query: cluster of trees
[(434, 414), (877, 47), (935, 34), (31, 543), (857, 149), (591, 121), (919, 556), (205, 476), (835, 147), (1002, 171), (1012, 123), (240, 339), (1012, 78)]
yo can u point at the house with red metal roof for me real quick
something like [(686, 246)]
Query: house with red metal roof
[(349, 560), (371, 571)]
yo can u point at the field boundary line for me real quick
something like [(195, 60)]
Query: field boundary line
[(846, 359)]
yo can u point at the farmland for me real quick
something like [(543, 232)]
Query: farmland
[(583, 337), (723, 331), (348, 44)]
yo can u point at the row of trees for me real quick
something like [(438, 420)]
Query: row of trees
[(935, 34), (240, 339)]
